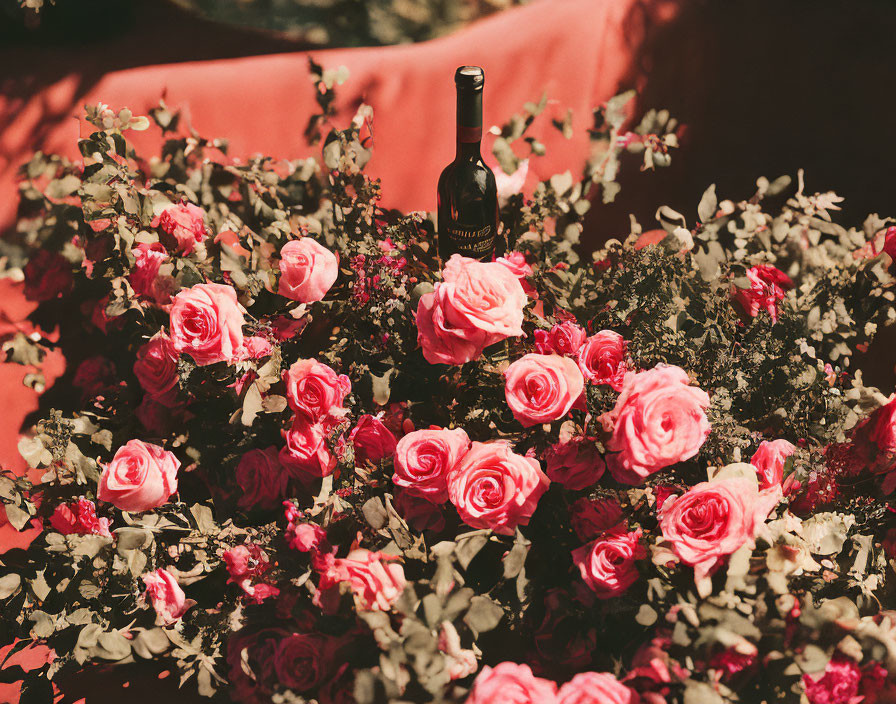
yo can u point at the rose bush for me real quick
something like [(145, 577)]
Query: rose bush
[(294, 457)]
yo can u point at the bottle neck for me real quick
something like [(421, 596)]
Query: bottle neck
[(469, 123)]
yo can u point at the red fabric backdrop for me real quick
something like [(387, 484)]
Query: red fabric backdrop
[(578, 51)]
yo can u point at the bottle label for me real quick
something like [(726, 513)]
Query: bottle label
[(474, 242)]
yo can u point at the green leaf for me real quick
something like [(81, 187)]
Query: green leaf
[(483, 614)]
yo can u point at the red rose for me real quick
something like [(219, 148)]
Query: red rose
[(156, 369), (79, 517), (838, 684), (591, 517), (576, 464), (372, 440), (767, 287), (261, 478), (94, 375), (301, 661), (48, 275)]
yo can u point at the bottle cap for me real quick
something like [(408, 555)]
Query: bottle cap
[(469, 78)]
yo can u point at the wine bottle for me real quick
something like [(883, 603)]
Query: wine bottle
[(467, 194)]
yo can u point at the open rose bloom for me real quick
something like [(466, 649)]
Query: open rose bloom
[(167, 597), (713, 519), (475, 305), (659, 419), (207, 323), (140, 477)]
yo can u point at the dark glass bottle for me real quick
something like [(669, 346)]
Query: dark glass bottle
[(468, 196)]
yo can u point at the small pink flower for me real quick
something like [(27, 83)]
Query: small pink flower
[(207, 323), (767, 287), (602, 359), (596, 688), (307, 270), (79, 517), (185, 222), (423, 459), (315, 391), (140, 477), (168, 599), (769, 462), (156, 369), (576, 464), (541, 388), (658, 420), (261, 478), (254, 347), (245, 565), (516, 263), (306, 454), (493, 487), (306, 537), (607, 565), (372, 440), (510, 683), (376, 581)]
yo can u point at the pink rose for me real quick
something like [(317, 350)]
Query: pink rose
[(144, 276), (140, 477), (423, 459), (565, 338), (168, 599), (714, 519), (767, 287), (306, 537), (302, 662), (475, 305), (492, 487), (372, 440), (315, 391), (207, 323), (79, 517), (375, 579), (608, 564), (541, 388), (516, 263), (254, 347), (602, 359), (890, 242), (156, 369), (591, 517), (185, 222), (838, 684), (461, 662), (307, 270), (443, 342), (576, 464), (306, 454), (510, 683), (261, 478), (246, 565), (596, 688), (769, 462), (48, 275), (658, 420)]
